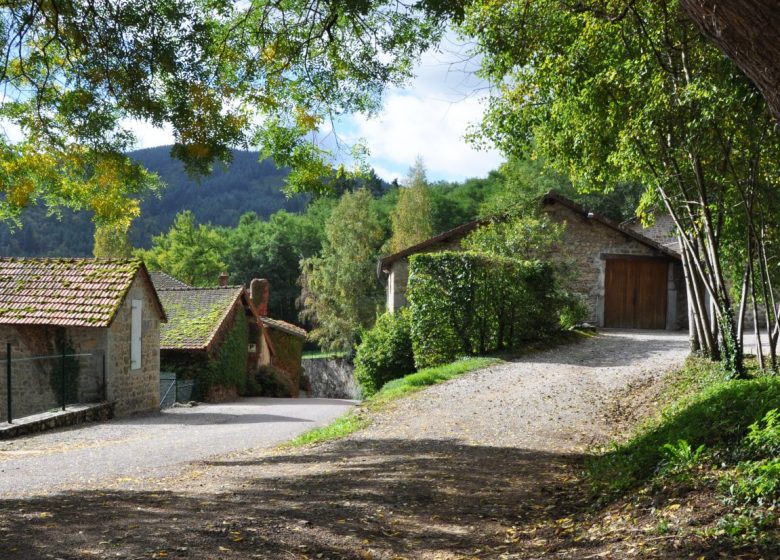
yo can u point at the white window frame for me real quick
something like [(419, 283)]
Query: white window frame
[(136, 331)]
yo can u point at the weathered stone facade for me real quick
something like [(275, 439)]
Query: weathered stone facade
[(584, 250), (134, 390), (587, 244), (36, 383)]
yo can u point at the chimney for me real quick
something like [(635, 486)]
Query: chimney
[(259, 290), (223, 279)]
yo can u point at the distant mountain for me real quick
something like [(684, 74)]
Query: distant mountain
[(247, 184)]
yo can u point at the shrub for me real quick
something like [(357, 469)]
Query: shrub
[(385, 352), (270, 382), (466, 303), (574, 310)]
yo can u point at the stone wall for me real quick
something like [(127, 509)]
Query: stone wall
[(583, 251), (134, 390), (398, 278), (35, 384), (331, 378)]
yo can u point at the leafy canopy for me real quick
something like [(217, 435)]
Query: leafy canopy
[(219, 73)]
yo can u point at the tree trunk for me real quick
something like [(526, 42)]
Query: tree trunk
[(748, 32)]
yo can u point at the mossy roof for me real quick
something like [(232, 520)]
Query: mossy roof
[(164, 281), (65, 292), (196, 315)]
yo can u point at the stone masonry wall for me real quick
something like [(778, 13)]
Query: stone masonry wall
[(134, 390), (582, 251), (331, 378), (35, 384)]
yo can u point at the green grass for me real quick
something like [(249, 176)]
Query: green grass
[(317, 354), (704, 409), (358, 419), (398, 388), (339, 428)]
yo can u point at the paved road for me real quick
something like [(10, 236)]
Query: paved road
[(154, 445)]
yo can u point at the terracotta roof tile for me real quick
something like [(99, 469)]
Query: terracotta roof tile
[(63, 292), (283, 326)]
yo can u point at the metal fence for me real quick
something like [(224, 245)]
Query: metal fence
[(173, 390), (36, 384)]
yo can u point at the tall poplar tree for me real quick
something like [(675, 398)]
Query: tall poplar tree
[(411, 218)]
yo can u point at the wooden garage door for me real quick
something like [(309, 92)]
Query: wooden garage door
[(635, 293)]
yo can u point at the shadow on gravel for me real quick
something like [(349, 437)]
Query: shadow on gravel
[(207, 419), (352, 499)]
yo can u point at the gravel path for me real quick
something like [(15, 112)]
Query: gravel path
[(552, 401), (464, 470), (155, 445)]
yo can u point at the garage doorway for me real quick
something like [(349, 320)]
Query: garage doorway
[(635, 292)]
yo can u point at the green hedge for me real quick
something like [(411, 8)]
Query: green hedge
[(385, 352), (465, 303)]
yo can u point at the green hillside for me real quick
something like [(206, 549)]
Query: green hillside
[(247, 184)]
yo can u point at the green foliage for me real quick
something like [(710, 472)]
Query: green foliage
[(764, 435), (574, 310), (227, 367), (679, 457), (523, 237), (272, 249), (468, 303), (705, 410), (340, 293), (212, 71), (111, 242), (188, 251), (270, 382), (398, 388), (385, 353), (411, 217), (755, 482)]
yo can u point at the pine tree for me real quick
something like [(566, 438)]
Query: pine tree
[(411, 219)]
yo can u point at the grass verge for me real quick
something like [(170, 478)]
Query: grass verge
[(715, 437), (398, 388)]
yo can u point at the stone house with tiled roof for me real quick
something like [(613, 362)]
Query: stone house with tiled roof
[(626, 278), (221, 336), (103, 309)]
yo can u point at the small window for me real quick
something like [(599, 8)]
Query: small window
[(135, 334)]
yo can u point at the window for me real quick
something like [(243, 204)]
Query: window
[(135, 334)]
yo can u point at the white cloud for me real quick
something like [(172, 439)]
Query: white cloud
[(148, 135)]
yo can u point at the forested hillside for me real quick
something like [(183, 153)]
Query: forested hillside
[(220, 198)]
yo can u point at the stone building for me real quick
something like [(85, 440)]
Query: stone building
[(103, 314), (627, 279), (201, 339)]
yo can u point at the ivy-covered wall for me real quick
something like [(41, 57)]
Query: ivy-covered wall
[(288, 350), (222, 371)]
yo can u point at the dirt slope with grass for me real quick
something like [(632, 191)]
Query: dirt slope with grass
[(483, 466)]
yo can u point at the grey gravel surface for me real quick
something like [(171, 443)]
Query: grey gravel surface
[(154, 445), (553, 400)]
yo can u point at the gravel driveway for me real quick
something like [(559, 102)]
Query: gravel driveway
[(154, 445), (466, 469)]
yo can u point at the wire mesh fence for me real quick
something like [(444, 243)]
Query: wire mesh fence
[(35, 384), (173, 390)]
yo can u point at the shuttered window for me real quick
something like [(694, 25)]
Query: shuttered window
[(135, 334)]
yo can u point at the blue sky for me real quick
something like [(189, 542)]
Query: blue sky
[(429, 117)]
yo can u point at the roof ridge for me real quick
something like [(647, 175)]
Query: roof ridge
[(190, 288)]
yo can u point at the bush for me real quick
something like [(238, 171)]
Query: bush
[(574, 310), (385, 352), (270, 382), (466, 303)]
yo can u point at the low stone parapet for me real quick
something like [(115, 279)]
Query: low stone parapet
[(75, 414)]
